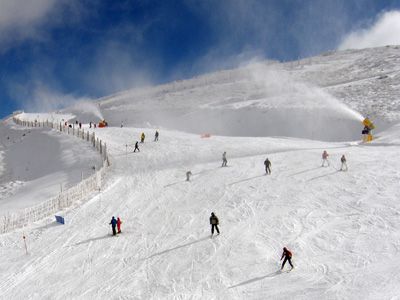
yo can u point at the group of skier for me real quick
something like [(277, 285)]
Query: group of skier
[(116, 225), (142, 138), (343, 161), (214, 221)]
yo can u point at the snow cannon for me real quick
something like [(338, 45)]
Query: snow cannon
[(103, 123), (368, 126)]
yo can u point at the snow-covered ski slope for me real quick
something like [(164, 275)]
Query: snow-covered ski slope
[(342, 227), (35, 163)]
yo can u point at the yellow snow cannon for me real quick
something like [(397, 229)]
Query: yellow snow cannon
[(368, 126)]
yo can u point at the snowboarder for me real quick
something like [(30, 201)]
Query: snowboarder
[(142, 137), (156, 136), (113, 223), (344, 164), (288, 257), (188, 174), (224, 161), (325, 158), (267, 164), (136, 147), (214, 223), (119, 222)]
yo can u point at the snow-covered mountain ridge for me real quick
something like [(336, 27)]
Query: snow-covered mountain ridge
[(303, 97)]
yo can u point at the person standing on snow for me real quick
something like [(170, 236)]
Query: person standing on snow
[(214, 222), (288, 257), (142, 137), (344, 163), (136, 147), (224, 161), (156, 136), (119, 222), (188, 174), (113, 223), (267, 164), (325, 158)]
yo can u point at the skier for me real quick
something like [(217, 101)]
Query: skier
[(122, 124), (119, 222), (188, 174), (142, 137), (224, 161), (156, 136), (80, 125), (267, 164), (136, 147), (344, 164), (90, 124), (214, 223), (113, 223), (288, 257), (325, 158)]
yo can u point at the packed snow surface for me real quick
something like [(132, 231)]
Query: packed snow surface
[(36, 163), (342, 227)]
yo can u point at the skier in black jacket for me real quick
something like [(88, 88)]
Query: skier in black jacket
[(267, 164), (214, 223), (136, 147)]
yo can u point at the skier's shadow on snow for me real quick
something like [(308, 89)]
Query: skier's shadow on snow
[(178, 247), (257, 279), (93, 239), (325, 175), (247, 179), (305, 171), (174, 183)]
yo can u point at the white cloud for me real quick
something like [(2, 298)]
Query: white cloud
[(35, 96), (30, 20), (384, 32)]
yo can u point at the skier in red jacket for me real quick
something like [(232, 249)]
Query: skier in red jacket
[(119, 222), (288, 257)]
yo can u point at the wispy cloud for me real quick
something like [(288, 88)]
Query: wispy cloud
[(385, 31), (22, 20), (118, 64), (38, 97)]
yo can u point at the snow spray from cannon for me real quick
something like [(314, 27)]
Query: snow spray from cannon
[(298, 108), (283, 91), (88, 107)]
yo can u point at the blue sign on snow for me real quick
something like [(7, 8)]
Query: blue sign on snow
[(60, 219)]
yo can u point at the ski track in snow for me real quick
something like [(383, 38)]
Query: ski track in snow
[(343, 227)]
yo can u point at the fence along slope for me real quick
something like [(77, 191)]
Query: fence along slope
[(66, 198)]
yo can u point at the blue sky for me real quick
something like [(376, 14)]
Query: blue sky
[(55, 51)]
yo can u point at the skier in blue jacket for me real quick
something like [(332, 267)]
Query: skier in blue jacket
[(113, 224)]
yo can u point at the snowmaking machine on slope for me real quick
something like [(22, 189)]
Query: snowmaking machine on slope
[(366, 132), (102, 124)]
